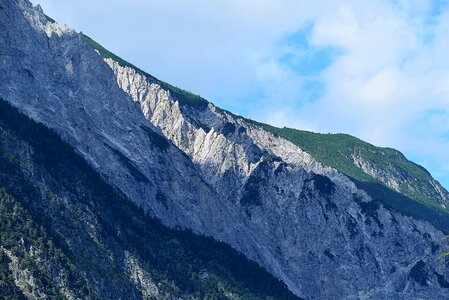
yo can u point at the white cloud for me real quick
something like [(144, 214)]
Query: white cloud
[(394, 70), (391, 72)]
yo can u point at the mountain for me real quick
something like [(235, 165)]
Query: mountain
[(133, 188), (65, 233)]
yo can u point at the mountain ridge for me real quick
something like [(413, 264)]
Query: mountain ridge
[(283, 132), (352, 169), (308, 224), (120, 226)]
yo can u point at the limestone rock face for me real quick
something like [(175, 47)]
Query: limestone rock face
[(203, 168), (313, 218), (402, 182)]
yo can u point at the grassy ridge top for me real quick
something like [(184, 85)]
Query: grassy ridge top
[(337, 149), (416, 197)]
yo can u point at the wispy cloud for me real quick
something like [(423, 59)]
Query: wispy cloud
[(393, 74), (377, 69)]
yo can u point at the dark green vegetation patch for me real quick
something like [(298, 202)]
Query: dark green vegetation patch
[(57, 214), (50, 19), (18, 232), (8, 288)]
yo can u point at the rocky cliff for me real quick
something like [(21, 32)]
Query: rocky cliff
[(65, 233), (313, 224)]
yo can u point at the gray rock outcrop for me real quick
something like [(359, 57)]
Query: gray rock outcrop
[(218, 174)]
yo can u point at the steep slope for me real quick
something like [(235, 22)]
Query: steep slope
[(384, 173), (367, 163), (55, 78), (270, 177), (310, 225), (204, 133), (65, 233)]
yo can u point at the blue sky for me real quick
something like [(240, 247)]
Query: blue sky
[(376, 69)]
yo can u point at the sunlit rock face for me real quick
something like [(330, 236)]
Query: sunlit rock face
[(203, 168)]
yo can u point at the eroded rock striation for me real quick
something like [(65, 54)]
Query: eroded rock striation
[(200, 167)]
